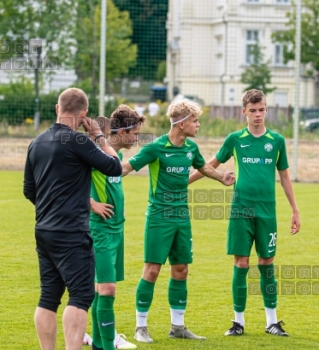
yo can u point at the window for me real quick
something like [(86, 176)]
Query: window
[(253, 1), (281, 99), (283, 2), (252, 38), (279, 54)]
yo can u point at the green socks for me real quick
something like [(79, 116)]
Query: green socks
[(144, 295), (106, 320), (239, 288), (268, 285), (97, 340), (177, 294)]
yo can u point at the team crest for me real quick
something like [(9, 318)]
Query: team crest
[(189, 155), (268, 147)]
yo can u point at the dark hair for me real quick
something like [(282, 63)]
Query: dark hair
[(125, 117)]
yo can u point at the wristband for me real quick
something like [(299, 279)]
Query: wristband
[(98, 136)]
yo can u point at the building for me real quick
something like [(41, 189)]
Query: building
[(210, 44)]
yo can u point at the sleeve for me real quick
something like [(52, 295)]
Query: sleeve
[(198, 161), (282, 161), (146, 155), (226, 150), (29, 183), (87, 151)]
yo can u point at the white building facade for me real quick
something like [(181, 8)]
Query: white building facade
[(210, 43)]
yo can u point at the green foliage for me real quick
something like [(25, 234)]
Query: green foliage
[(161, 71), (120, 52), (209, 310), (258, 74), (17, 103), (309, 34), (41, 19), (149, 33)]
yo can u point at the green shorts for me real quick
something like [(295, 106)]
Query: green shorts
[(168, 239), (242, 232), (109, 255)]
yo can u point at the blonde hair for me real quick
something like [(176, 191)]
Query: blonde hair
[(73, 101), (253, 96), (180, 109)]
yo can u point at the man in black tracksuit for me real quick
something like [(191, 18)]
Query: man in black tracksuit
[(57, 181)]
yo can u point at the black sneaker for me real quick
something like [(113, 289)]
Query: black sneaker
[(95, 347), (236, 329), (276, 329)]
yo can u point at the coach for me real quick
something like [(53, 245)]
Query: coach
[(57, 181)]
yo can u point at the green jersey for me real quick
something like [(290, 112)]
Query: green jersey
[(108, 189), (169, 168), (256, 161)]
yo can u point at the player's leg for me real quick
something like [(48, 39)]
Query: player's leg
[(52, 289), (120, 341), (266, 249), (106, 246), (181, 254), (157, 243), (77, 270), (239, 242)]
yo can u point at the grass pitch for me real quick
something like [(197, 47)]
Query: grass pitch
[(209, 310)]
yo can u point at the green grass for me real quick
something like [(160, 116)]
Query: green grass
[(210, 306)]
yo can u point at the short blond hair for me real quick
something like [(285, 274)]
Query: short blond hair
[(73, 101), (180, 109), (253, 96)]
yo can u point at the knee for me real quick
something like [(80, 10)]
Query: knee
[(107, 289), (241, 261), (179, 272), (151, 272)]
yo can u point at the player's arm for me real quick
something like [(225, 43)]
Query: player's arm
[(287, 186), (126, 168), (102, 209), (196, 175), (29, 183), (227, 178), (96, 134)]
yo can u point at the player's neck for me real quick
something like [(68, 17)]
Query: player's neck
[(115, 143), (176, 138), (258, 130)]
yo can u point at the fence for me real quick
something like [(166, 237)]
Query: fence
[(207, 50)]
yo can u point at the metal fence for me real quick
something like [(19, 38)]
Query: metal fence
[(207, 50)]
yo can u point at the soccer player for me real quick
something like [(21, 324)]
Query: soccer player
[(57, 181), (257, 152), (107, 229), (167, 227)]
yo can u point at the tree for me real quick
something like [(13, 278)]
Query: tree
[(149, 33), (48, 21), (120, 52), (309, 35), (257, 75)]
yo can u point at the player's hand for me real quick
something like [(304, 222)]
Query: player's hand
[(91, 126), (228, 178), (102, 209), (295, 223)]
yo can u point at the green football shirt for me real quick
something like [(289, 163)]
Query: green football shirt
[(108, 189), (256, 161), (169, 168)]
